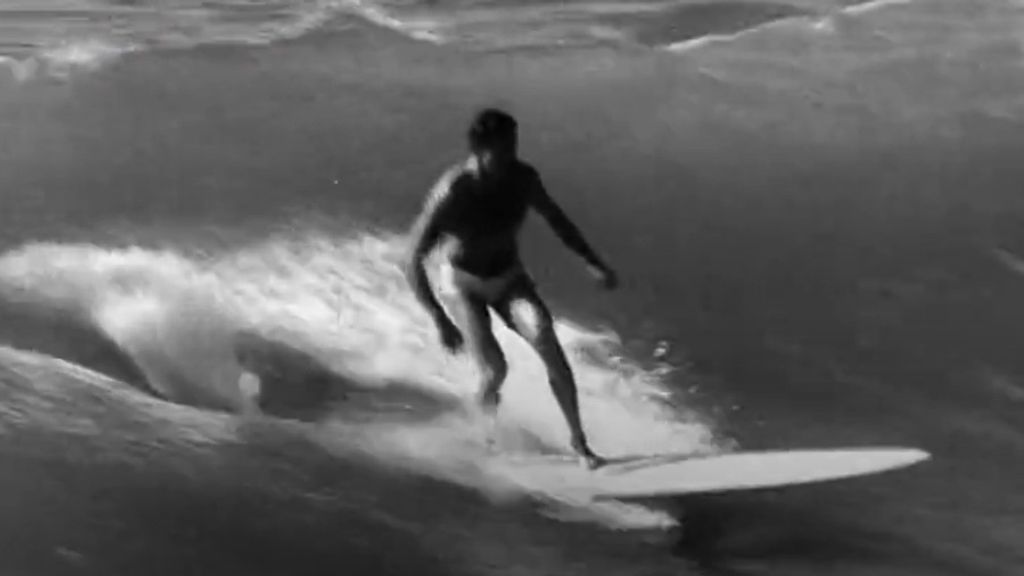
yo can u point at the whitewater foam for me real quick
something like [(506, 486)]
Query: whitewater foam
[(158, 307), (349, 303)]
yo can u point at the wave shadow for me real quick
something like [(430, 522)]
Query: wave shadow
[(733, 534), (295, 384)]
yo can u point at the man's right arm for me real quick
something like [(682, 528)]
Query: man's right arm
[(426, 231)]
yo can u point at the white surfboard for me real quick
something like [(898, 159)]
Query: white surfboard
[(678, 474)]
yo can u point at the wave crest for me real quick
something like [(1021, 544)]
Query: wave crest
[(60, 45), (344, 304)]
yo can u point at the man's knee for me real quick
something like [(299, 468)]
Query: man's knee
[(495, 369), (533, 322)]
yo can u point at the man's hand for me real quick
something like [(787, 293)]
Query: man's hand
[(451, 338), (605, 276)]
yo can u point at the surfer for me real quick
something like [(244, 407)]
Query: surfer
[(478, 206)]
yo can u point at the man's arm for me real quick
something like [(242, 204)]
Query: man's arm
[(426, 231), (564, 228)]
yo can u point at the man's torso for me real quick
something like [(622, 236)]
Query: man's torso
[(483, 219)]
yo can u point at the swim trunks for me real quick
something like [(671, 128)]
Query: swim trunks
[(491, 289)]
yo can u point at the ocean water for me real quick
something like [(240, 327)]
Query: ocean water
[(813, 207)]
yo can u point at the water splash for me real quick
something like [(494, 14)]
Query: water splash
[(345, 303)]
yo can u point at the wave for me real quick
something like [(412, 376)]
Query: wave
[(257, 495), (423, 29), (704, 40), (766, 19), (60, 43), (328, 312), (62, 60), (872, 5), (701, 22), (69, 48), (504, 27), (574, 24), (676, 26)]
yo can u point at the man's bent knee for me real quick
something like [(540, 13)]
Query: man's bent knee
[(532, 321), (494, 370), (546, 342)]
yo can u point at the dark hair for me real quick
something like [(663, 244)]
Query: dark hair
[(490, 126)]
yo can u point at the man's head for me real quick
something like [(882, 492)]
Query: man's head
[(493, 135)]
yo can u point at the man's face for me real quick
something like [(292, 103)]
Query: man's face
[(504, 150)]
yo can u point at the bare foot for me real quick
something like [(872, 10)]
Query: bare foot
[(587, 456), (592, 461)]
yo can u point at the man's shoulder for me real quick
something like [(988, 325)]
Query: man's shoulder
[(528, 180), (527, 170), (451, 180), (457, 174)]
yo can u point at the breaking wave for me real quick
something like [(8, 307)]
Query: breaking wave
[(198, 328)]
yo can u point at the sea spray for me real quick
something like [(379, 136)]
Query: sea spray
[(346, 303)]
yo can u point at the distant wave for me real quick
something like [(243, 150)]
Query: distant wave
[(582, 23), (63, 59), (696, 23), (53, 44), (677, 26), (658, 24), (771, 17), (422, 28), (873, 5), (688, 44)]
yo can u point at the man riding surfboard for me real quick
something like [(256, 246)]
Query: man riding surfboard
[(479, 206)]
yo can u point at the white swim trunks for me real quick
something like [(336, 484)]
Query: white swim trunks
[(491, 289)]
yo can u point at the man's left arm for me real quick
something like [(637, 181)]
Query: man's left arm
[(559, 221)]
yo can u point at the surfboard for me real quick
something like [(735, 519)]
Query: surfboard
[(667, 475)]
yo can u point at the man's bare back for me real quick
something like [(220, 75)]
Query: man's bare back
[(483, 214), (476, 210)]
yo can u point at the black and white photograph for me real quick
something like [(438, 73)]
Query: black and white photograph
[(511, 287)]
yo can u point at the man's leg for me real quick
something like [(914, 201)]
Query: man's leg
[(484, 349), (525, 312)]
